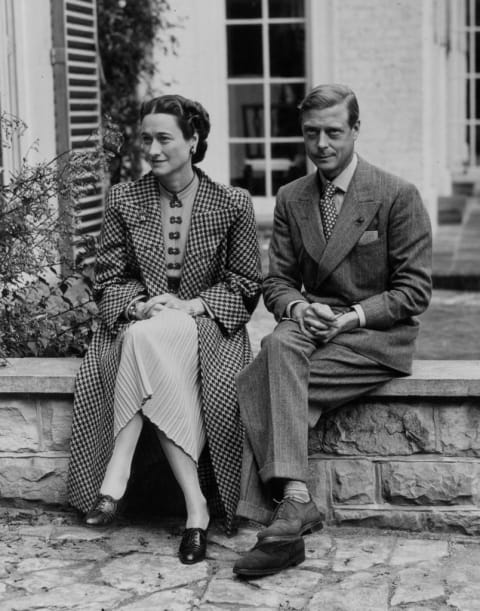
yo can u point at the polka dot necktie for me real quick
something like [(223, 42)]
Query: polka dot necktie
[(328, 211)]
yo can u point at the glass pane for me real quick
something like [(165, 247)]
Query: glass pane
[(284, 109), (286, 8), (476, 109), (476, 66), (477, 12), (288, 162), (287, 50), (244, 47), (468, 37), (468, 110), (247, 172), (246, 111), (243, 9), (476, 139)]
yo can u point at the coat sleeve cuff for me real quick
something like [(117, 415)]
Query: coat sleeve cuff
[(289, 308)]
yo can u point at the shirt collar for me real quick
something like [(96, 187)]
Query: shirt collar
[(342, 181)]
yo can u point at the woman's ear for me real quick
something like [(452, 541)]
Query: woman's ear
[(195, 140)]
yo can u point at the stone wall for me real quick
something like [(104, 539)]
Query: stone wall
[(35, 427), (407, 456), (404, 459)]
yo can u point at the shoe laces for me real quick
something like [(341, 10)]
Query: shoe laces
[(106, 504), (192, 538), (282, 507)]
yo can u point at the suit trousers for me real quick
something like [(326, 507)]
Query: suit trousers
[(281, 394)]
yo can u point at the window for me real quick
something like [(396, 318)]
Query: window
[(266, 82), (472, 99)]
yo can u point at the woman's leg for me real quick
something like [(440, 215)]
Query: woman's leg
[(118, 469), (185, 471)]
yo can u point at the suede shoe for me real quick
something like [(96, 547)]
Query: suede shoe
[(292, 519), (103, 512), (268, 558)]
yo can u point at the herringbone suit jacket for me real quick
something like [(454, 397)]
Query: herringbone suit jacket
[(379, 256)]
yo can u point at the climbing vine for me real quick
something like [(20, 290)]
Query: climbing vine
[(127, 33)]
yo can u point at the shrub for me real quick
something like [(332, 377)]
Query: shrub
[(46, 307)]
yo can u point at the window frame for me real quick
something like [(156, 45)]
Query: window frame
[(266, 82)]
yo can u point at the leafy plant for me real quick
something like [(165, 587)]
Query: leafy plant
[(43, 311)]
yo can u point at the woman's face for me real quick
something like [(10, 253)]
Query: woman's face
[(165, 147)]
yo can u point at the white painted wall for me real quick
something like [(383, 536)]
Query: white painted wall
[(32, 97)]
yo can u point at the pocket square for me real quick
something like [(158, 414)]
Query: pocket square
[(367, 237)]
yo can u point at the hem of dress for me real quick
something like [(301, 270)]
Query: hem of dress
[(161, 431)]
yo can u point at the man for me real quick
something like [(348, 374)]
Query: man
[(350, 261)]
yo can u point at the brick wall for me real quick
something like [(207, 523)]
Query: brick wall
[(389, 53), (379, 53)]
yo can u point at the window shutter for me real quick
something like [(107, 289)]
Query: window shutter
[(77, 93)]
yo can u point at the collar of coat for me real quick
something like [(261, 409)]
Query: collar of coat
[(212, 215)]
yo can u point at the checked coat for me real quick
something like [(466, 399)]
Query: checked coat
[(222, 266)]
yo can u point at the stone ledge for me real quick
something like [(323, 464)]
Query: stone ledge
[(405, 456), (39, 376), (429, 378)]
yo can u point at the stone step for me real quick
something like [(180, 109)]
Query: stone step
[(450, 209), (456, 252)]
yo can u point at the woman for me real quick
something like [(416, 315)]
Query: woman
[(177, 278)]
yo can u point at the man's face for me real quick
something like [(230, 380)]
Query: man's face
[(329, 139)]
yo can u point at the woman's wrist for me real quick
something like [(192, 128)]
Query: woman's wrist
[(196, 307), (131, 311)]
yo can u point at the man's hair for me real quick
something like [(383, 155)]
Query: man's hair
[(324, 96), (191, 117)]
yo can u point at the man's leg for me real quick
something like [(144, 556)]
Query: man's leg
[(336, 376), (273, 398)]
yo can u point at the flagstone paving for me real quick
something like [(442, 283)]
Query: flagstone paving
[(50, 562)]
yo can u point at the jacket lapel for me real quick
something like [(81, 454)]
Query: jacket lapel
[(307, 215), (209, 224), (147, 235), (357, 212)]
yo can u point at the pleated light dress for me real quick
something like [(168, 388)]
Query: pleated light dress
[(159, 375), (159, 371)]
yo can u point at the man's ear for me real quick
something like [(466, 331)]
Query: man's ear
[(356, 129)]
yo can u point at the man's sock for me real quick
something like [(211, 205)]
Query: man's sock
[(296, 490)]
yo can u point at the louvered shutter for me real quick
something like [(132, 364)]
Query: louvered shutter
[(77, 92)]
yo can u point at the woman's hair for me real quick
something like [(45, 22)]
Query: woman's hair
[(191, 117), (325, 96)]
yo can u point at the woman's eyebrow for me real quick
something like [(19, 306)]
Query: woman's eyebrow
[(151, 133)]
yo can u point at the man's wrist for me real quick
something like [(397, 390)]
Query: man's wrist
[(297, 309)]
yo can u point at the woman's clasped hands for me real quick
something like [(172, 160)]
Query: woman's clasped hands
[(155, 305)]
